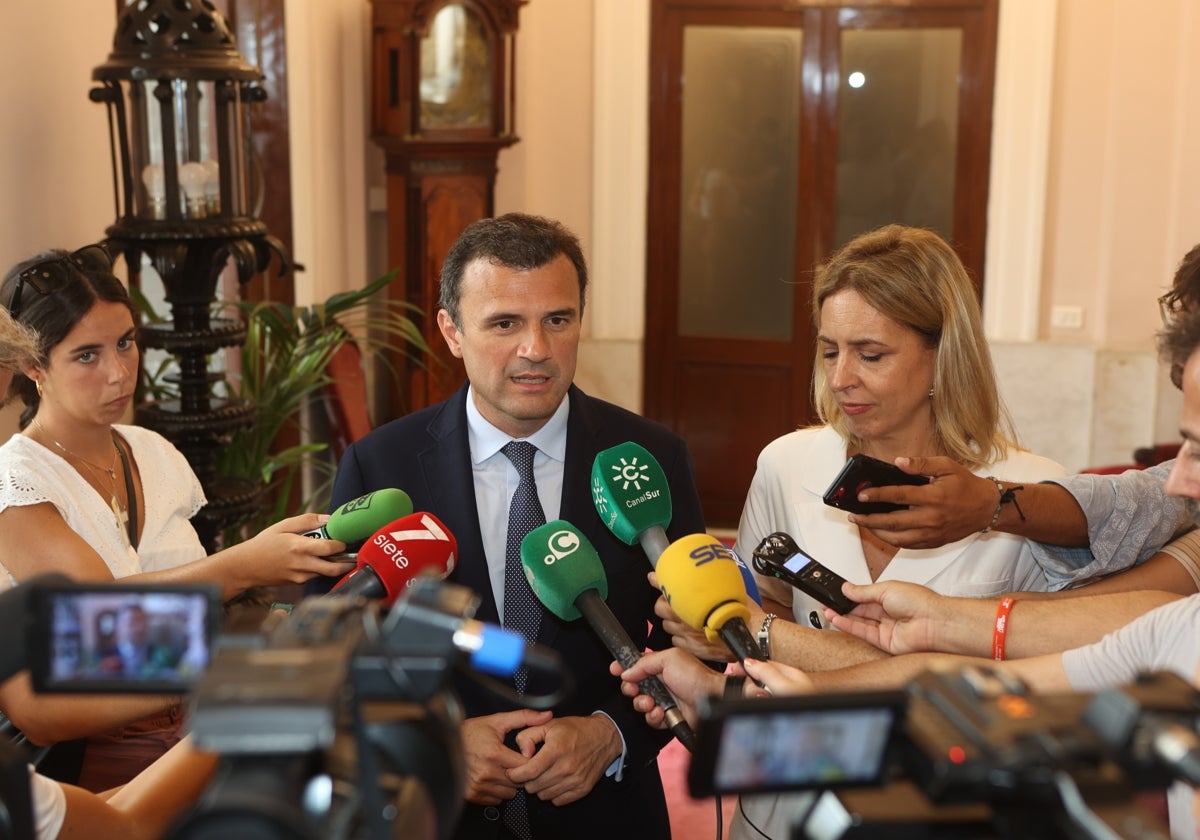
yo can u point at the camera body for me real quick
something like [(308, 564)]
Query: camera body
[(337, 721), (1048, 765)]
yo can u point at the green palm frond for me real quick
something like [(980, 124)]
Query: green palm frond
[(284, 364)]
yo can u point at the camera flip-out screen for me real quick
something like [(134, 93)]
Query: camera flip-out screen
[(121, 638), (795, 743)]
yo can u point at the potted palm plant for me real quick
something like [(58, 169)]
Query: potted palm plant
[(283, 366)]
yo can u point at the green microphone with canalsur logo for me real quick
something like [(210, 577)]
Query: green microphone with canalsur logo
[(629, 489)]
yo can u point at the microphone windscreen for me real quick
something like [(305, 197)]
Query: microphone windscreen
[(560, 565), (359, 518), (701, 581), (629, 489), (413, 546)]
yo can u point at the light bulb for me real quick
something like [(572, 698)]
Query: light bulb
[(212, 186), (191, 178), (156, 190)]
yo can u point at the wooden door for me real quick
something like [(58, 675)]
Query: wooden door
[(779, 131)]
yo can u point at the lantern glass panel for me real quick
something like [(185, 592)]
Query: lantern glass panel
[(181, 115)]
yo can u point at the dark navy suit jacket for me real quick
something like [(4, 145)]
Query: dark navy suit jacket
[(427, 455)]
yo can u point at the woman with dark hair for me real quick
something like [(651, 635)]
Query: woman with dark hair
[(84, 496)]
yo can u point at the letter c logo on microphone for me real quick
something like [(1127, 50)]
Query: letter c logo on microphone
[(561, 544)]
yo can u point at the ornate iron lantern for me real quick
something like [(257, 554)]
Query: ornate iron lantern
[(187, 196)]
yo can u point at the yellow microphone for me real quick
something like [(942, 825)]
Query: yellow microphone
[(702, 582)]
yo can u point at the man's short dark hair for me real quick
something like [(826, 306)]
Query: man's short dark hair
[(514, 240), (1178, 341)]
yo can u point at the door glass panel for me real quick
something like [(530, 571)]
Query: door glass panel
[(897, 129), (741, 125)]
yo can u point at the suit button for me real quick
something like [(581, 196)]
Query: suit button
[(491, 813)]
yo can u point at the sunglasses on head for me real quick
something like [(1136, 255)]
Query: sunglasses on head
[(1170, 307), (48, 276)]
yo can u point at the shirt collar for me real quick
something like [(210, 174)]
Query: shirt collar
[(486, 440)]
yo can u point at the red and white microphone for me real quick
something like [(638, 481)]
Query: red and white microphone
[(417, 545)]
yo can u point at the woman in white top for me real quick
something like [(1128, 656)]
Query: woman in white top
[(902, 369), (66, 505)]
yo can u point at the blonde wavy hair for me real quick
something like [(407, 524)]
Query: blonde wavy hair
[(913, 277), (18, 344)]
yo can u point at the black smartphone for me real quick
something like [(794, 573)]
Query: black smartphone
[(778, 556), (121, 638), (861, 472), (806, 742)]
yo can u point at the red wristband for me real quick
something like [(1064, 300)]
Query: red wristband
[(1000, 629)]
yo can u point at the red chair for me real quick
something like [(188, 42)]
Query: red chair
[(1144, 457)]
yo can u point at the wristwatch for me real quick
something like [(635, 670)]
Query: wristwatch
[(764, 635)]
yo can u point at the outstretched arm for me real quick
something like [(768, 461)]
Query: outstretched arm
[(146, 806), (957, 503), (38, 540), (905, 617), (1043, 674), (47, 719), (789, 642)]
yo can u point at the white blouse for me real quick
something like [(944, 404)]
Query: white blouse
[(31, 474)]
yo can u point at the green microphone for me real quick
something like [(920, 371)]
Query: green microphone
[(629, 489), (359, 518), (565, 573)]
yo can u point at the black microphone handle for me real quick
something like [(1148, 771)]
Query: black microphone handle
[(605, 625), (362, 583), (737, 637)]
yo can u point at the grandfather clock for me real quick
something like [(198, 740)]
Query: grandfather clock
[(442, 109)]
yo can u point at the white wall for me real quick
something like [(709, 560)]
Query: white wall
[(1098, 198), (55, 177)]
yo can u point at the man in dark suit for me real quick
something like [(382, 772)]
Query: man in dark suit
[(512, 298)]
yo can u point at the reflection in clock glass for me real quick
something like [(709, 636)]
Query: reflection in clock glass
[(456, 84)]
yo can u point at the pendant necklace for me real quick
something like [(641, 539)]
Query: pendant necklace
[(114, 502)]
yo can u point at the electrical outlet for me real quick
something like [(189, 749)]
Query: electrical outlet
[(1066, 317)]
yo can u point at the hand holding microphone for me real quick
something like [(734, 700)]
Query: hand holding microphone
[(567, 576), (399, 552), (702, 583)]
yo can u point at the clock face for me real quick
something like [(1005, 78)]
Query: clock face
[(456, 71)]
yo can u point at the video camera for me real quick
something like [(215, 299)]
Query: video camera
[(960, 753), (336, 721)]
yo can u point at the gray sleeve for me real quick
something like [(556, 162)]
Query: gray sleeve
[(1163, 639), (1130, 517)]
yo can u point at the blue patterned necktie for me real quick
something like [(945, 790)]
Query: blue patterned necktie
[(522, 612)]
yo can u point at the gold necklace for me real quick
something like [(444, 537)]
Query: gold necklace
[(114, 501)]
